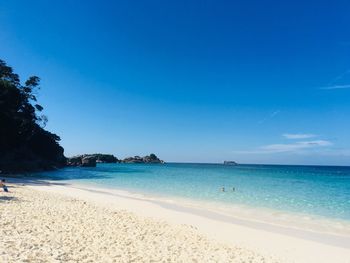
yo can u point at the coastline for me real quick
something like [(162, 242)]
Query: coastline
[(330, 231), (44, 226), (285, 243)]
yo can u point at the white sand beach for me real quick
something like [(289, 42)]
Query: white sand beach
[(42, 222)]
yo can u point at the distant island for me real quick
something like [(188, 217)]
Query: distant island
[(90, 160), (152, 158), (230, 163)]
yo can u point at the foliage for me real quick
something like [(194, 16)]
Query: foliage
[(153, 156), (24, 143), (97, 157)]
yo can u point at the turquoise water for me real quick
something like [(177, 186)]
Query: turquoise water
[(314, 190)]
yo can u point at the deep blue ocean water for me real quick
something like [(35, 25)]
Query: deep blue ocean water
[(315, 190)]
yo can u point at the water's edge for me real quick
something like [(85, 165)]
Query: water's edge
[(317, 233)]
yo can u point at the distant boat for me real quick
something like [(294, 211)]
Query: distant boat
[(230, 163)]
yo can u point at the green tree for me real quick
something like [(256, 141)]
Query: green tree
[(24, 144), (153, 156)]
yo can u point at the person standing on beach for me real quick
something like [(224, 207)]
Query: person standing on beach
[(2, 184)]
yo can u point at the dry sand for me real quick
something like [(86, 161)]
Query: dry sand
[(39, 226), (42, 222)]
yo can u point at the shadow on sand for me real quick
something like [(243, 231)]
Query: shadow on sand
[(8, 198), (23, 181)]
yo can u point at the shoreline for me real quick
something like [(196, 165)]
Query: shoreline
[(50, 225), (267, 218), (314, 229), (289, 244)]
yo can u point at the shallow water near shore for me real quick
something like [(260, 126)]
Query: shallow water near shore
[(310, 190)]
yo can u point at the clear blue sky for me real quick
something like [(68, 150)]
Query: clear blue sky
[(193, 81)]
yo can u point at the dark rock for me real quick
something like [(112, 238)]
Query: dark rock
[(24, 160), (74, 161), (105, 158), (152, 158), (88, 161)]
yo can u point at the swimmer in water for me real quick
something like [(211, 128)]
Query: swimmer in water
[(223, 189)]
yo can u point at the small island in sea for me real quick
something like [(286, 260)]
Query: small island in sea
[(90, 160), (230, 163)]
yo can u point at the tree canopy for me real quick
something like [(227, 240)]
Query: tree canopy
[(24, 143)]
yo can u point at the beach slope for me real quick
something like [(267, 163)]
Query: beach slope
[(41, 226)]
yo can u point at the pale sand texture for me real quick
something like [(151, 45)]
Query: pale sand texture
[(287, 244), (41, 226)]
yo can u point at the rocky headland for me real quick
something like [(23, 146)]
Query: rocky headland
[(25, 146), (90, 160)]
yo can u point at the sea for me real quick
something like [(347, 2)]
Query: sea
[(309, 191)]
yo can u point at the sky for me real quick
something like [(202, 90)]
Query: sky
[(191, 81)]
